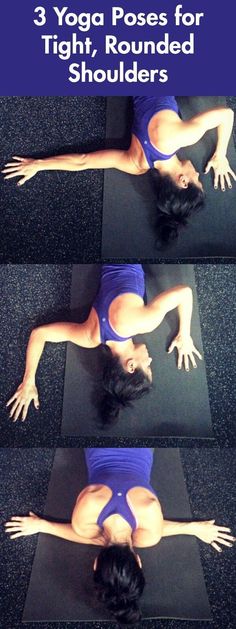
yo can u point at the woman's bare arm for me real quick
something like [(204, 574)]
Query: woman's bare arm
[(190, 131), (30, 525), (54, 333), (207, 531), (150, 317), (26, 168)]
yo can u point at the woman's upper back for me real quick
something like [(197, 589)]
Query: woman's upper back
[(146, 111), (117, 281), (119, 483)]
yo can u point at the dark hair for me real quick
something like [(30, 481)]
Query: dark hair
[(119, 582), (174, 205), (120, 387)]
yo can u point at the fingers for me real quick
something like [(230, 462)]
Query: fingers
[(17, 535), (13, 528), (171, 347), (216, 547), (32, 513), (14, 397), (195, 351), (222, 183), (18, 410), (25, 411), (228, 180), (216, 179), (180, 359), (15, 518), (12, 174), (232, 173), (223, 528), (23, 180), (191, 356), (208, 167), (36, 402), (14, 407), (224, 542), (186, 362), (10, 168), (230, 538), (19, 159)]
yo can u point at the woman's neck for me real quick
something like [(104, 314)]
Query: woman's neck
[(117, 531), (123, 349), (172, 166)]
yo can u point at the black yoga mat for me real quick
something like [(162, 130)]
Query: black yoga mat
[(129, 203), (178, 404), (61, 585)]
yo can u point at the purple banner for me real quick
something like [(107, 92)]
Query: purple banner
[(118, 47)]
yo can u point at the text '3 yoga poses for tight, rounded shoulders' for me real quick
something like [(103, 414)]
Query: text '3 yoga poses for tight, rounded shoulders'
[(158, 133), (117, 315), (120, 511)]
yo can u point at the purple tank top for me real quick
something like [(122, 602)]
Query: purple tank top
[(116, 279), (120, 469), (145, 107)]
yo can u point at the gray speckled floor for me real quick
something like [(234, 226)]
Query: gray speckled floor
[(56, 216), (33, 294), (209, 475)]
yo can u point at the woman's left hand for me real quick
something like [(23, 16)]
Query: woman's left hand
[(186, 350), (222, 171), (212, 534), (24, 167), (20, 526)]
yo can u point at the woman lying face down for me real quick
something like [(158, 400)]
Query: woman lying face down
[(158, 133), (117, 315), (119, 511)]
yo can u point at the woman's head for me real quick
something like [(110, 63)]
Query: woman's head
[(122, 384), (175, 203), (119, 581)]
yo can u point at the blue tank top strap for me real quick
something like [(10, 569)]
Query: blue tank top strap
[(116, 279), (120, 469), (145, 107)]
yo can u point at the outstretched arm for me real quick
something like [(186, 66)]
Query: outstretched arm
[(26, 168), (207, 531), (54, 333), (152, 315), (30, 525), (190, 131)]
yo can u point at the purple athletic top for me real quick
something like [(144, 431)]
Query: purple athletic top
[(120, 469), (145, 107), (116, 279)]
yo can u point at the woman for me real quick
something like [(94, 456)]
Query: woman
[(119, 510), (118, 313), (157, 134)]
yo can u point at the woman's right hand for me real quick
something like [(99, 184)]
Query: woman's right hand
[(24, 167), (222, 171), (21, 526), (24, 395)]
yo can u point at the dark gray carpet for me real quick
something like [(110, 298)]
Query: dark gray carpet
[(37, 294), (129, 206), (210, 477), (56, 216)]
